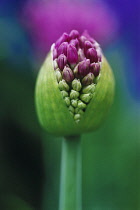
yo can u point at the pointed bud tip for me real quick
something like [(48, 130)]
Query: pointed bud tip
[(83, 67), (74, 34), (63, 38), (72, 54), (62, 61), (67, 74), (62, 49)]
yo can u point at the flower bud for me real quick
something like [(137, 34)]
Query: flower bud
[(62, 49), (64, 93), (80, 111), (75, 43), (63, 38), (74, 94), (67, 74), (77, 116), (88, 79), (74, 34), (81, 55), (85, 97), (87, 45), (71, 109), (95, 68), (58, 75), (89, 89), (92, 55), (62, 61), (72, 54), (67, 101), (71, 101), (74, 102), (63, 85), (76, 85), (75, 71), (81, 105), (55, 63), (83, 68), (82, 40)]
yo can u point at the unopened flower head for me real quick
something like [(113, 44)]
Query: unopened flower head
[(79, 58), (75, 86)]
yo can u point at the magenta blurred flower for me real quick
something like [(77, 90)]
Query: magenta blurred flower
[(47, 20)]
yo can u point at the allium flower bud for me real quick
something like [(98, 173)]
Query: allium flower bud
[(71, 109), (89, 88), (62, 61), (75, 43), (68, 75), (67, 101), (62, 49), (82, 40), (87, 45), (85, 97), (75, 86), (83, 67), (74, 34), (81, 55), (95, 68), (55, 63), (63, 85), (81, 105), (74, 94), (74, 102), (64, 93), (58, 75), (77, 117), (72, 54), (88, 79), (92, 55), (63, 38)]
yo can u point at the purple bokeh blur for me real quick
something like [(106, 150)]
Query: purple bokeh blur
[(47, 20)]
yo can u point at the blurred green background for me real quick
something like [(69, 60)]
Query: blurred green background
[(30, 157)]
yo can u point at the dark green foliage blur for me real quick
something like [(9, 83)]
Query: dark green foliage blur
[(30, 157)]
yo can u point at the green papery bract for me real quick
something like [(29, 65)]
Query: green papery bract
[(52, 111)]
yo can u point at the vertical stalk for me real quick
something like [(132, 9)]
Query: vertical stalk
[(70, 182)]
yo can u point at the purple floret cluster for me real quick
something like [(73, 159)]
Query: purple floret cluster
[(77, 56)]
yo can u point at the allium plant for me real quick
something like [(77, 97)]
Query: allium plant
[(74, 91)]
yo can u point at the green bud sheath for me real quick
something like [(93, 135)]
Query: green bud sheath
[(52, 111)]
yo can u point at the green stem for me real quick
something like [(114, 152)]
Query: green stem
[(70, 182)]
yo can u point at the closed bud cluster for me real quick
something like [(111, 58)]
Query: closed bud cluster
[(75, 86), (77, 61)]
